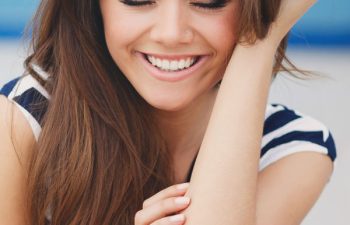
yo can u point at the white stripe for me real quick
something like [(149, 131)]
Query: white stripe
[(36, 128), (26, 83), (304, 123), (274, 154), (40, 72)]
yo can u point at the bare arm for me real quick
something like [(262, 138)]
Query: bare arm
[(232, 143), (224, 181), (13, 154), (286, 192)]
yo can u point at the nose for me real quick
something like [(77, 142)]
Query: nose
[(171, 25)]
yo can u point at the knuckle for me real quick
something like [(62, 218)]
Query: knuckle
[(163, 192), (164, 204), (145, 203), (160, 222), (168, 203), (138, 217), (163, 221), (174, 188), (169, 189)]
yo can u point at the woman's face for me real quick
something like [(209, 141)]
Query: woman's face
[(174, 34)]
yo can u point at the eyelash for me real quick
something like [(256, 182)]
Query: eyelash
[(208, 6)]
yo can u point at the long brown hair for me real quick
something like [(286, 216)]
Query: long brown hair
[(95, 162)]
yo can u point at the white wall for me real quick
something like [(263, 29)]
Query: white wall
[(327, 100)]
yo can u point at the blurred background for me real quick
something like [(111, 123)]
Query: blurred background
[(319, 42)]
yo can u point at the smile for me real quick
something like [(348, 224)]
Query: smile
[(171, 68), (172, 65)]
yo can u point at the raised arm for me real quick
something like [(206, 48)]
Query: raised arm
[(224, 181)]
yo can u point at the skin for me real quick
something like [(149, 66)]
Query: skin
[(182, 108), (13, 172)]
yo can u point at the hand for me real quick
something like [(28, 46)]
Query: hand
[(290, 12), (157, 210)]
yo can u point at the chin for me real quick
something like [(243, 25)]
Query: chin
[(168, 102)]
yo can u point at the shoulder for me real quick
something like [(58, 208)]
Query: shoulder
[(16, 135), (30, 98), (16, 143), (288, 131)]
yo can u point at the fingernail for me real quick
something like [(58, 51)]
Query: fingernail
[(176, 218), (182, 186), (182, 200)]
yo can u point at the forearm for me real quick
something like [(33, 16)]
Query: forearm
[(224, 179)]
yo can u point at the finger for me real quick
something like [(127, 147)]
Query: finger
[(172, 191), (171, 220), (161, 209)]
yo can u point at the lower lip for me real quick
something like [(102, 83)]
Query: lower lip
[(171, 76)]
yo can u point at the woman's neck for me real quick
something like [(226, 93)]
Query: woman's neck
[(184, 130)]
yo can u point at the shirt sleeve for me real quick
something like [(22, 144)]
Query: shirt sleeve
[(31, 99), (288, 131)]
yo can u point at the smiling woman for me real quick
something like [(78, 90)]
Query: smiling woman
[(179, 34), (122, 99)]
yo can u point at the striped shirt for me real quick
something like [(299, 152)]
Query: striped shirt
[(285, 132)]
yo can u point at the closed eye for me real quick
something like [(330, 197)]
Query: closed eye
[(212, 5), (217, 4), (137, 3)]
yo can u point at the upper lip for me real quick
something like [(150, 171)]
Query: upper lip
[(172, 56)]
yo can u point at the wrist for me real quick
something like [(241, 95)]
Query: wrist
[(266, 46)]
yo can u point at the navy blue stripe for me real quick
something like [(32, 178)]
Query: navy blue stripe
[(277, 104), (310, 136), (34, 102), (278, 120), (332, 152), (7, 88)]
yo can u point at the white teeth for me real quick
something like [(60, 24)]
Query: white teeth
[(171, 65), (159, 62), (165, 64), (181, 64), (174, 65)]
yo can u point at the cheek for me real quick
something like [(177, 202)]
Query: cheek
[(227, 26), (225, 37), (121, 27), (220, 31), (118, 32)]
